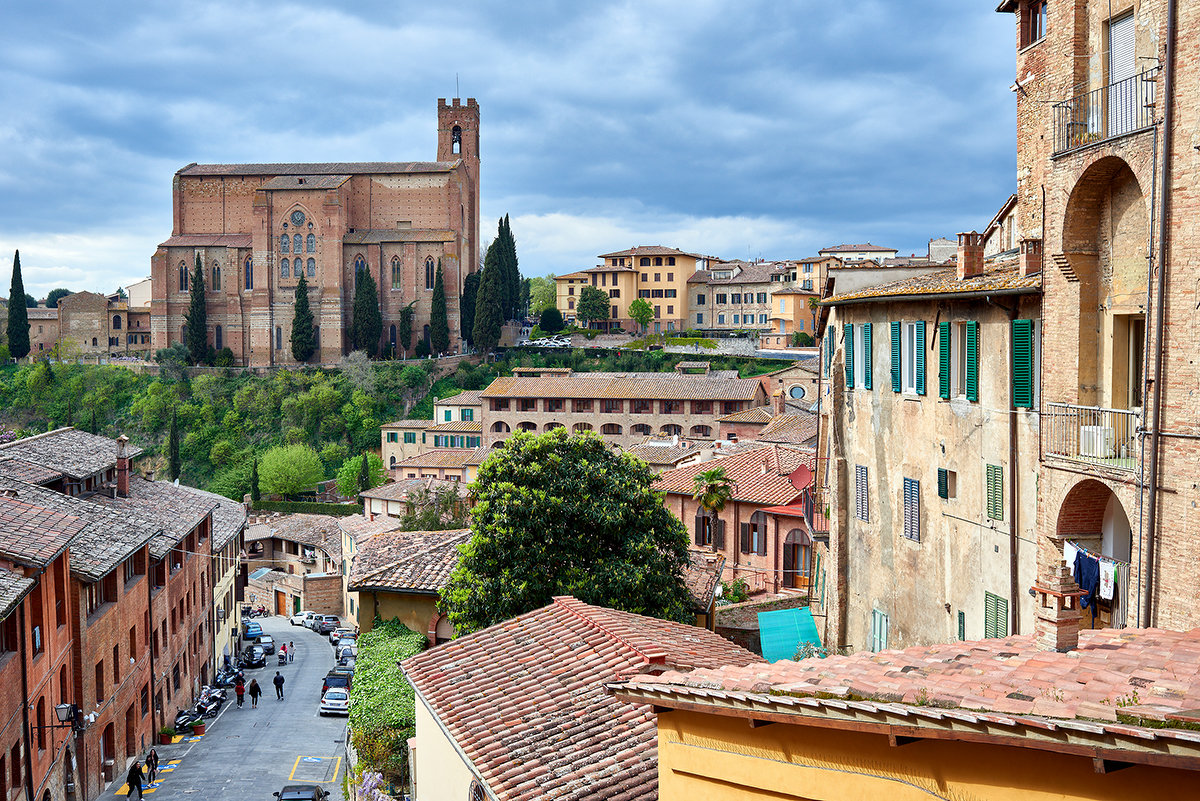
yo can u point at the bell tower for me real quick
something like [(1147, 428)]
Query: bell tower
[(458, 138)]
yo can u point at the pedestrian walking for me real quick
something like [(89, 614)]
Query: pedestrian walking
[(134, 779), (240, 690), (278, 684), (255, 691), (291, 652), (151, 766), (283, 650)]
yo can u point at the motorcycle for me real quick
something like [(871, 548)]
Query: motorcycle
[(260, 611), (228, 678)]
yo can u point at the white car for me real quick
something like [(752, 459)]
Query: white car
[(301, 618), (336, 701)]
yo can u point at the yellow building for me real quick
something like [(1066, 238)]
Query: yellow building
[(791, 313), (995, 719)]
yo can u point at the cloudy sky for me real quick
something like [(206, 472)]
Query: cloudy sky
[(740, 129)]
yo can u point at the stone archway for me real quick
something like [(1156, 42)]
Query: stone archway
[(1093, 516)]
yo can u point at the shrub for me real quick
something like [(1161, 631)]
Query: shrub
[(382, 703), (551, 320), (224, 358)]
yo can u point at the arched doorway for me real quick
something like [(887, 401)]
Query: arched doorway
[(797, 558), (1093, 518)]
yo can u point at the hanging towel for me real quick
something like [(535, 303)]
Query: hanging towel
[(1069, 551), (1108, 578)]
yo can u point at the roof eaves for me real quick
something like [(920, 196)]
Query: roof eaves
[(912, 296)]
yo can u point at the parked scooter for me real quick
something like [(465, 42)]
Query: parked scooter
[(228, 678), (185, 719)]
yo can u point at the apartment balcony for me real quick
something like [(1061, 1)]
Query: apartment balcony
[(1120, 108), (1092, 435)]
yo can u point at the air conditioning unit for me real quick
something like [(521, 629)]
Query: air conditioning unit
[(1096, 442)]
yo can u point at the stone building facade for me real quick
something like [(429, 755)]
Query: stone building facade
[(1106, 164), (258, 227)]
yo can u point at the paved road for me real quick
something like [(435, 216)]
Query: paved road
[(250, 753)]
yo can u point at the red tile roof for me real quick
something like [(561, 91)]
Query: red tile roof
[(407, 561), (30, 473), (759, 475), (868, 247), (325, 168), (791, 428), (525, 702), (702, 575), (665, 386), (1115, 680), (650, 250)]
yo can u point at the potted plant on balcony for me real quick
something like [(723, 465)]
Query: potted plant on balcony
[(166, 735)]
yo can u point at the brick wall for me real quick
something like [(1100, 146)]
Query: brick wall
[(323, 593)]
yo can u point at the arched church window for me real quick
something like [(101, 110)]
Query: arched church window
[(644, 262), (117, 322), (285, 243), (310, 243), (429, 272), (312, 268), (360, 264), (218, 338), (249, 272), (425, 334), (397, 277), (183, 276), (283, 268), (297, 244), (456, 139), (216, 276)]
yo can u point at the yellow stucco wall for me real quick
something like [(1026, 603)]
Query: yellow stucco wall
[(440, 773), (705, 758), (414, 611)]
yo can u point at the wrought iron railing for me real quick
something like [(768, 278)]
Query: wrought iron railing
[(1090, 434), (1113, 110)]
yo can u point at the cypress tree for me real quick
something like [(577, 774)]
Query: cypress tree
[(512, 271), (466, 306), (489, 313), (254, 493), (173, 448), (18, 317), (439, 327), (364, 475), (366, 326), (197, 318), (404, 332), (303, 343)]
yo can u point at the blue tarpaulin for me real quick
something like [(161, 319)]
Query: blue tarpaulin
[(781, 632)]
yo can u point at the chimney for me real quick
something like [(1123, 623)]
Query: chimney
[(1031, 257), (780, 401), (970, 254), (1058, 614), (122, 467)]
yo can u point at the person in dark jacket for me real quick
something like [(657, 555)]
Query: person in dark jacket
[(239, 690), (134, 779), (255, 691), (278, 684), (151, 766)]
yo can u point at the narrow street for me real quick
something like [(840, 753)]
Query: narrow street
[(251, 753)]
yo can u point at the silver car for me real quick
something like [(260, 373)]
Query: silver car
[(335, 701)]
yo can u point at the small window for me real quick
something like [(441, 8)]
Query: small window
[(284, 268), (699, 319), (912, 509), (183, 277), (657, 262), (429, 273), (644, 262), (216, 276), (297, 243), (310, 243), (456, 139), (278, 337), (947, 484), (397, 275), (410, 437), (285, 243), (311, 266), (879, 631), (1033, 22), (861, 510)]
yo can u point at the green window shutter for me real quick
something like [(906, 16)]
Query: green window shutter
[(995, 616), (866, 355), (943, 483), (1022, 364), (849, 347), (995, 492), (972, 346), (896, 357), (962, 625), (944, 361), (920, 357)]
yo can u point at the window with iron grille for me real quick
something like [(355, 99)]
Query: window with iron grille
[(860, 493), (912, 509)]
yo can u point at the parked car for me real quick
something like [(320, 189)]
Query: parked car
[(327, 624), (315, 621), (253, 656), (346, 654), (337, 678), (344, 640), (335, 701), (267, 642), (251, 630), (301, 792), (302, 618), (339, 633)]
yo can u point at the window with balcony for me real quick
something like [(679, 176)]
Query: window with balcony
[(610, 406), (527, 405)]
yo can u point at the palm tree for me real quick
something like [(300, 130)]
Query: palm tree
[(712, 489)]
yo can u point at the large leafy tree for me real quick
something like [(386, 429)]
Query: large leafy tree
[(197, 318), (304, 344), (489, 304), (350, 474), (18, 317), (592, 306), (287, 469), (558, 514), (366, 324), (542, 293), (466, 305), (439, 326), (54, 296), (641, 312)]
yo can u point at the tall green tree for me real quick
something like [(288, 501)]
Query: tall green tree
[(592, 306), (514, 289), (489, 304), (466, 306), (366, 325), (173, 463), (542, 293), (439, 326), (364, 474), (570, 516), (404, 334), (550, 320), (54, 296), (304, 344), (18, 317), (641, 312), (287, 469), (197, 318)]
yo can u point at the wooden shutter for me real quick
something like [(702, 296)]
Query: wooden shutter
[(1022, 364), (866, 355), (860, 492), (943, 483), (718, 534), (700, 528), (995, 492), (896, 386), (944, 362), (849, 348), (972, 346), (762, 539), (962, 625), (745, 532), (995, 616), (912, 509), (919, 357)]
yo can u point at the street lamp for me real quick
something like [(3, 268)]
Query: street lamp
[(68, 718)]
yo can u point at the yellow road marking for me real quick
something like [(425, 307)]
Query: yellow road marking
[(337, 764)]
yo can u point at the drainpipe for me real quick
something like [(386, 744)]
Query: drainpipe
[(153, 632), (25, 703), (1164, 229), (1141, 496), (1014, 605)]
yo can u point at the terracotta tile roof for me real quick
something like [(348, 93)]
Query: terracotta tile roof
[(70, 451), (21, 470), (173, 511), (326, 168), (650, 250), (792, 290), (468, 397), (759, 475), (457, 427), (868, 247), (13, 587), (305, 182), (41, 314), (438, 457), (663, 451), (33, 535), (409, 424), (1113, 680), (578, 274), (751, 273), (366, 236), (702, 577), (1002, 278), (658, 386), (792, 428), (525, 702), (478, 457), (400, 490), (409, 561), (759, 414), (360, 528), (208, 241), (320, 531)]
